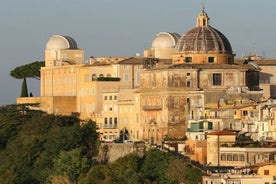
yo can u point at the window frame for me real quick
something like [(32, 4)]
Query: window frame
[(217, 79)]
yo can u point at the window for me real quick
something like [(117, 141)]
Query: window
[(188, 59), (115, 97), (266, 172), (211, 59), (105, 121), (217, 79), (110, 97), (241, 157), (235, 157), (105, 97), (223, 157), (110, 121), (126, 77), (210, 125), (110, 108), (188, 84), (115, 121), (244, 113), (229, 157), (188, 74), (94, 77)]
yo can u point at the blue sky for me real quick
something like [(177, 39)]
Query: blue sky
[(122, 28)]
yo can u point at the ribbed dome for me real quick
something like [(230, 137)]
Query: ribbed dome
[(165, 40), (59, 42), (204, 38)]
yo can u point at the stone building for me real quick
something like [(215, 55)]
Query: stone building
[(180, 80), (201, 78)]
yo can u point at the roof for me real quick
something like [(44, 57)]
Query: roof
[(204, 38), (207, 66), (222, 132), (132, 60), (165, 40), (61, 42), (140, 61)]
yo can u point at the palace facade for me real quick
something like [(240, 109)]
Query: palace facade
[(180, 82)]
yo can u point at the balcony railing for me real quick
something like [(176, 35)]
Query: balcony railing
[(157, 107), (108, 126)]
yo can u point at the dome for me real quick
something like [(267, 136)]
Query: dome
[(165, 40), (58, 42), (204, 38)]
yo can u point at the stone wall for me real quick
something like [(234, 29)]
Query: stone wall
[(117, 150)]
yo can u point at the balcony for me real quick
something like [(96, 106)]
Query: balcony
[(148, 108), (108, 126)]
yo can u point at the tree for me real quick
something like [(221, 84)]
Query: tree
[(90, 139), (24, 89), (31, 70), (69, 163), (155, 166)]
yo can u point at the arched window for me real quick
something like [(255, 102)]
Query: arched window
[(101, 75), (94, 77), (108, 75)]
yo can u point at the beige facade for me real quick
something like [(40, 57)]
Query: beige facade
[(263, 174), (214, 141)]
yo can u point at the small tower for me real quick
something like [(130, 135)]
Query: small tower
[(202, 19)]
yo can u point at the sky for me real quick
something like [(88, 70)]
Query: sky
[(122, 28)]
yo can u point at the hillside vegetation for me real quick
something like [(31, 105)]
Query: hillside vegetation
[(37, 148)]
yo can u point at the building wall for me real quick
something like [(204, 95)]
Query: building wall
[(196, 150), (161, 53), (229, 78), (241, 157), (59, 81), (64, 57), (268, 80), (65, 105), (213, 146), (202, 57)]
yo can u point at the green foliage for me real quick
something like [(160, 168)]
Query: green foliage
[(24, 89), (33, 145), (39, 148), (99, 174), (31, 70), (126, 166), (89, 136), (69, 163), (154, 167)]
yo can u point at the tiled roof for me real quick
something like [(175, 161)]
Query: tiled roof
[(204, 38), (132, 60)]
